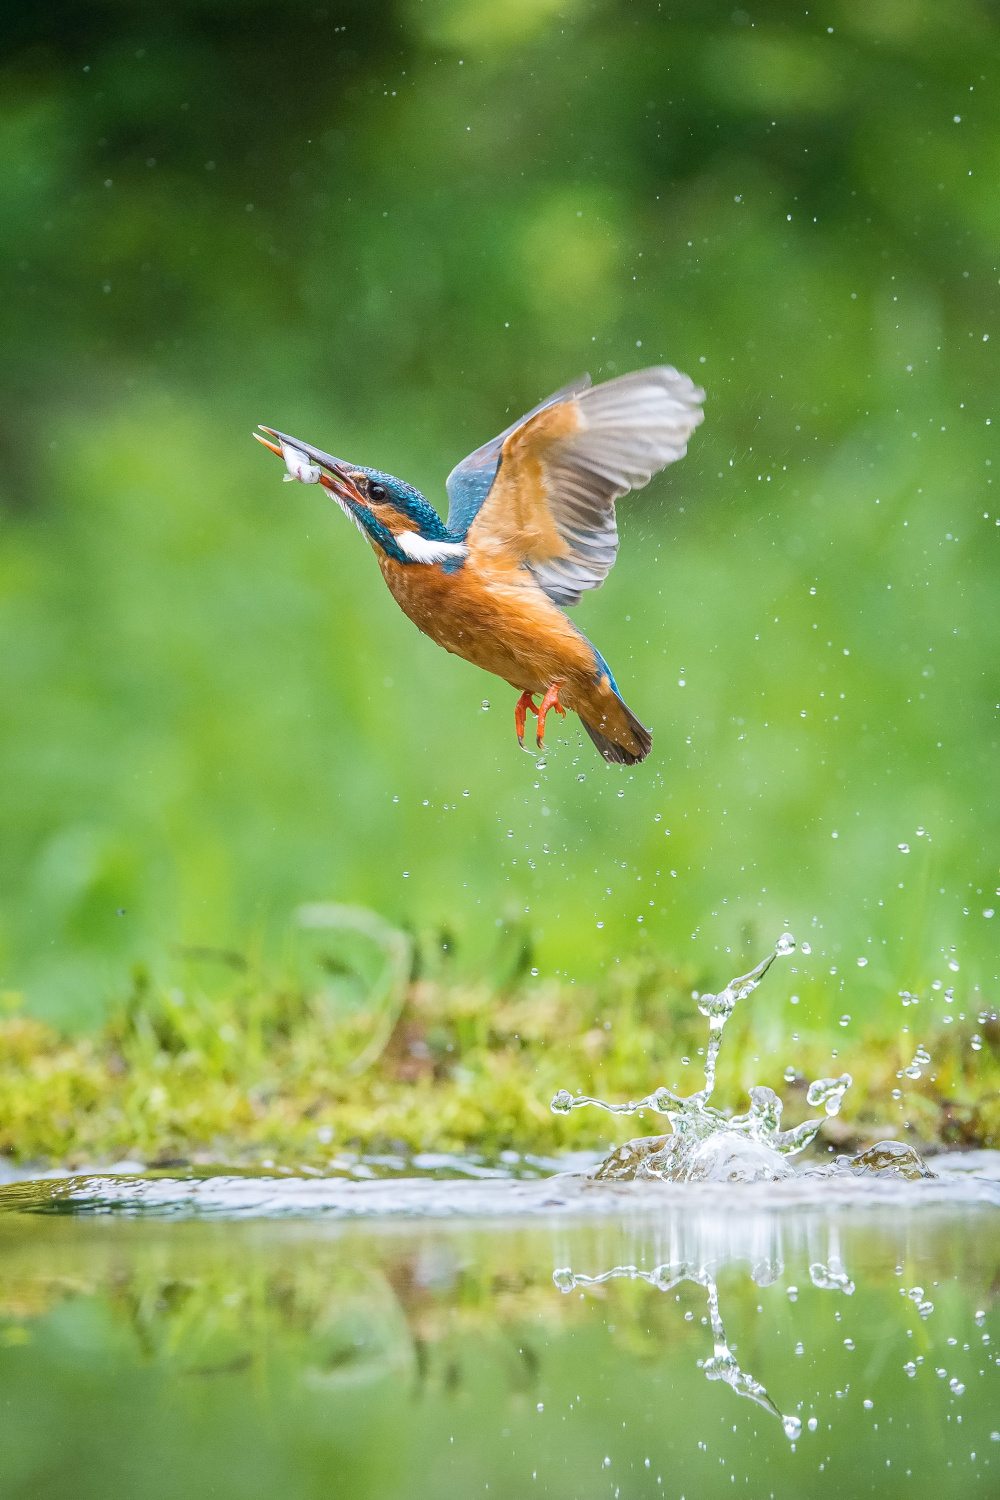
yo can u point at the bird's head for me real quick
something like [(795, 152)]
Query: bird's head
[(391, 513)]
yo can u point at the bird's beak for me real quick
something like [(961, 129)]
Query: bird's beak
[(343, 486), (334, 473)]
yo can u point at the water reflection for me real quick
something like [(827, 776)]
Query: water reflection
[(722, 1364), (410, 1359)]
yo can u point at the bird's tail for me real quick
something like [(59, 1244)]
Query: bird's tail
[(632, 741)]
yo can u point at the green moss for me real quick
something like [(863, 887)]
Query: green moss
[(266, 1073)]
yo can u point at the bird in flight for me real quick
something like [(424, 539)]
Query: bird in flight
[(531, 526)]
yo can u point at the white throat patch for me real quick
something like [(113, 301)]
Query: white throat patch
[(419, 549)]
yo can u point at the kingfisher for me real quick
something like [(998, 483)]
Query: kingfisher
[(531, 527)]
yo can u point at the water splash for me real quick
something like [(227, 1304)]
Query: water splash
[(884, 1159), (829, 1092), (704, 1144)]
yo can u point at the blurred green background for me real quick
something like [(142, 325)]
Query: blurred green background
[(389, 229)]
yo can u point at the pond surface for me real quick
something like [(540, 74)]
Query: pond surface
[(517, 1339)]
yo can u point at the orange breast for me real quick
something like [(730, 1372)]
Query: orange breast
[(498, 618), (495, 616)]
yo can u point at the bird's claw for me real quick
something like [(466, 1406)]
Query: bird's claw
[(551, 700), (526, 704)]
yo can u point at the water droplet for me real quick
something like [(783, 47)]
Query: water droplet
[(829, 1092), (862, 963), (581, 776), (903, 848), (868, 1405), (953, 966), (792, 1426), (912, 1071), (845, 1020), (848, 1343), (831, 1278), (784, 945), (812, 1424), (621, 792), (562, 1102), (956, 1385), (540, 764), (789, 1074), (976, 1044), (806, 948), (897, 1093), (486, 704)]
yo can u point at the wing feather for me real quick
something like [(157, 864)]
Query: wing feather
[(470, 482), (550, 504)]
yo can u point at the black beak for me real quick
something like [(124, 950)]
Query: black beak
[(337, 473)]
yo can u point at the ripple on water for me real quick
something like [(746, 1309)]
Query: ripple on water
[(960, 1179)]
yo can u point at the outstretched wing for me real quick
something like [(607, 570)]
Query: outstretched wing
[(557, 473), (469, 482)]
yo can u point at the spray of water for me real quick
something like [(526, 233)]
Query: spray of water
[(705, 1145)]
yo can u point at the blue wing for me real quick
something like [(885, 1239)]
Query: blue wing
[(470, 482)]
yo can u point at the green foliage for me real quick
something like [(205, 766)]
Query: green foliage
[(257, 1073), (388, 228)]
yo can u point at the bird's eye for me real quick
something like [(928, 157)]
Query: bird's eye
[(378, 492)]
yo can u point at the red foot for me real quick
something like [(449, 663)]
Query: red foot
[(521, 708), (551, 700)]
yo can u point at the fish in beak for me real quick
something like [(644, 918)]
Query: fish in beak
[(311, 466)]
